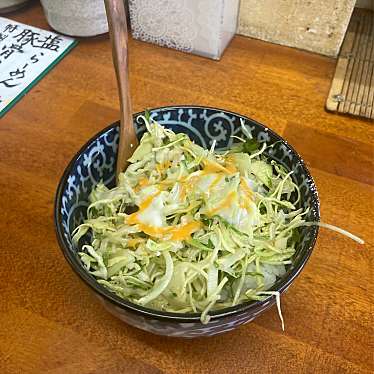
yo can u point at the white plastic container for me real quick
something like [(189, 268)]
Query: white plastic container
[(76, 17), (11, 5), (203, 27)]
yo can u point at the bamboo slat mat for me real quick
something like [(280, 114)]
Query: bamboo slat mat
[(352, 88)]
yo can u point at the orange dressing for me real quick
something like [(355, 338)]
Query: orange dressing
[(162, 167), (245, 205), (182, 194), (248, 194), (180, 232), (216, 180), (184, 232), (230, 166), (133, 219), (211, 167), (244, 186), (143, 182), (152, 230), (226, 203)]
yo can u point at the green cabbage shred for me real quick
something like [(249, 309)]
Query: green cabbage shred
[(190, 230)]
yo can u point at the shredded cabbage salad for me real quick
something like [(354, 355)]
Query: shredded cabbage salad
[(192, 230)]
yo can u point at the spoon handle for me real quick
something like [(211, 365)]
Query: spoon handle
[(117, 22)]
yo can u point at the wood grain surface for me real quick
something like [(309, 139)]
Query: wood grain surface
[(51, 323)]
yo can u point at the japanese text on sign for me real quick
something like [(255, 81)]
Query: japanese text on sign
[(25, 53)]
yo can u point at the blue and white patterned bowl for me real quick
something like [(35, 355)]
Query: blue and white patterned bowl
[(96, 161)]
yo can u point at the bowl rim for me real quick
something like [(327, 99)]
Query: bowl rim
[(173, 316)]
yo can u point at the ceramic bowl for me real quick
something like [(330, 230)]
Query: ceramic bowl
[(96, 161)]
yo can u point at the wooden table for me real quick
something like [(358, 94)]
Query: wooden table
[(51, 323)]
